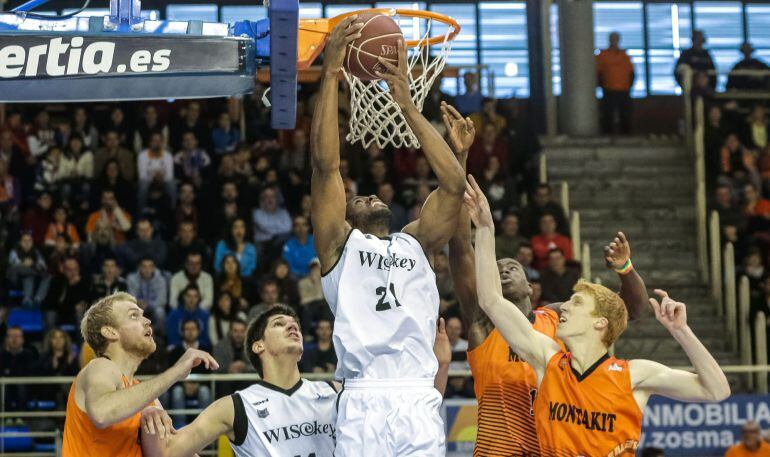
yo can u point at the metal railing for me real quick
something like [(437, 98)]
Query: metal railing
[(760, 353), (744, 326), (564, 196), (700, 188), (574, 230), (715, 249), (730, 293), (585, 261)]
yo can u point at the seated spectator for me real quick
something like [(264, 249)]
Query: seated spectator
[(488, 116), (558, 278), (113, 215), (16, 360), (732, 221), (536, 298), (41, 136), (100, 245), (751, 81), (268, 293), (118, 123), (189, 395), (111, 179), (68, 296), (547, 240), (751, 442), (446, 288), (287, 283), (224, 312), (755, 130), (526, 257), (230, 281), (149, 125), (190, 121), (58, 359), (378, 174), (732, 156), (193, 162), (454, 331), (508, 241), (114, 151), (319, 356), (235, 243), (27, 269), (399, 217), (145, 245), (35, 219), (191, 338), (109, 282), (56, 171), (299, 249), (715, 132), (148, 285), (755, 206), (192, 274), (311, 297), (82, 127), (470, 101), (296, 157), (186, 209), (499, 187), (753, 267), (186, 241), (272, 224), (155, 165), (542, 203), (229, 351), (61, 226), (225, 136), (188, 308)]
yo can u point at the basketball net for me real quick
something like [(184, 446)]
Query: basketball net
[(374, 115)]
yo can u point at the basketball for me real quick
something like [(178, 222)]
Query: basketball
[(379, 37)]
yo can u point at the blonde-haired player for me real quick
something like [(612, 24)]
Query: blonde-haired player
[(589, 403), (106, 405)]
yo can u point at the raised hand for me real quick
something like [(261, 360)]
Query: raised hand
[(461, 131), (441, 346), (477, 205), (156, 420), (343, 34), (397, 77), (672, 314), (618, 252), (191, 359)]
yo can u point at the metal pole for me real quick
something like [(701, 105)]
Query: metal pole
[(730, 295), (577, 245), (700, 189), (715, 241), (760, 343), (744, 298), (585, 262)]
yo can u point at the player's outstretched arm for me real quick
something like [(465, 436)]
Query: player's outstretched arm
[(534, 347), (708, 383), (327, 190), (214, 421), (438, 217), (106, 403)]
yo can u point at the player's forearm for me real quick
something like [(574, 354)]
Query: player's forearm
[(116, 406), (711, 378), (324, 131), (448, 170), (634, 293), (442, 378), (463, 268)]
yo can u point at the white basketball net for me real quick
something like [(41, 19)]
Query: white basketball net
[(374, 115)]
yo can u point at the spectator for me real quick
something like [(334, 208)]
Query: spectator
[(82, 127), (118, 123), (113, 150), (536, 297), (499, 187), (68, 296), (716, 130), (155, 165), (101, 245), (747, 82), (311, 296), (446, 288), (60, 226), (547, 240), (112, 180), (319, 356), (615, 75), (236, 244), (12, 155), (145, 245), (112, 215), (149, 125), (148, 285), (378, 175), (58, 359), (296, 157), (558, 278), (189, 301), (109, 282), (399, 217), (189, 395), (751, 442), (41, 136), (755, 130), (697, 58), (272, 224), (56, 171), (732, 220), (268, 293), (225, 136), (542, 203), (754, 206), (299, 249), (526, 257), (36, 219), (508, 241), (753, 267), (229, 352), (27, 269), (732, 156), (488, 116), (454, 330), (190, 121), (223, 314), (16, 361), (231, 282), (470, 101), (193, 162), (287, 283), (191, 338), (652, 452), (193, 274), (186, 210), (186, 241)]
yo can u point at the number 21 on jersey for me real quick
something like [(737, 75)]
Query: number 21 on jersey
[(383, 305)]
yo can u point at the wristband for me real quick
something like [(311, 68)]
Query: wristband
[(625, 269)]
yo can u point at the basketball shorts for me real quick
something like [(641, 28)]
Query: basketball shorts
[(389, 418)]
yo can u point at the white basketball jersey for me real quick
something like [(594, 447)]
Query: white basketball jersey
[(299, 422), (385, 302)]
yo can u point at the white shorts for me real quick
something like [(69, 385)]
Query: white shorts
[(390, 418)]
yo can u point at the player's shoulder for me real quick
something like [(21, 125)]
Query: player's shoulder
[(100, 367)]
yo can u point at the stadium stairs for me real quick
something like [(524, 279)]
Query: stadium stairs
[(644, 187)]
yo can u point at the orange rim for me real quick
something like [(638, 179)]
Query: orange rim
[(312, 33)]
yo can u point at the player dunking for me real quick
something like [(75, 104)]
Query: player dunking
[(381, 287), (589, 403), (106, 405)]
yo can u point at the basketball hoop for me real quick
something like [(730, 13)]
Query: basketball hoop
[(374, 115)]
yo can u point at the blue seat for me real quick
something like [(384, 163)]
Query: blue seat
[(16, 444), (30, 320)]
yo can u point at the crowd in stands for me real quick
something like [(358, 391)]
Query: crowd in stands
[(202, 212)]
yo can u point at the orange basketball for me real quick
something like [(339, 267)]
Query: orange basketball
[(379, 37)]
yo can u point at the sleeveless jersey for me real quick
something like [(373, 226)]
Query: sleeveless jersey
[(591, 415), (505, 389), (275, 422), (385, 302), (82, 438)]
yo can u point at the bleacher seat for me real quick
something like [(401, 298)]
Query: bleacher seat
[(30, 320), (16, 444)]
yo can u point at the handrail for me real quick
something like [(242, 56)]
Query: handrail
[(715, 243), (730, 295), (564, 196), (574, 230), (760, 342), (543, 169), (700, 189), (744, 327), (585, 262)]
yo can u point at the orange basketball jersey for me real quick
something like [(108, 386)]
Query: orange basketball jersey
[(505, 389), (82, 438), (590, 415)]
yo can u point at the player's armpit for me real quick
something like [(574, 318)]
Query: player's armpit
[(214, 421)]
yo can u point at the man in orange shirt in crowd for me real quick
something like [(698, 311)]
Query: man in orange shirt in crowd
[(751, 443), (615, 75), (111, 214)]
